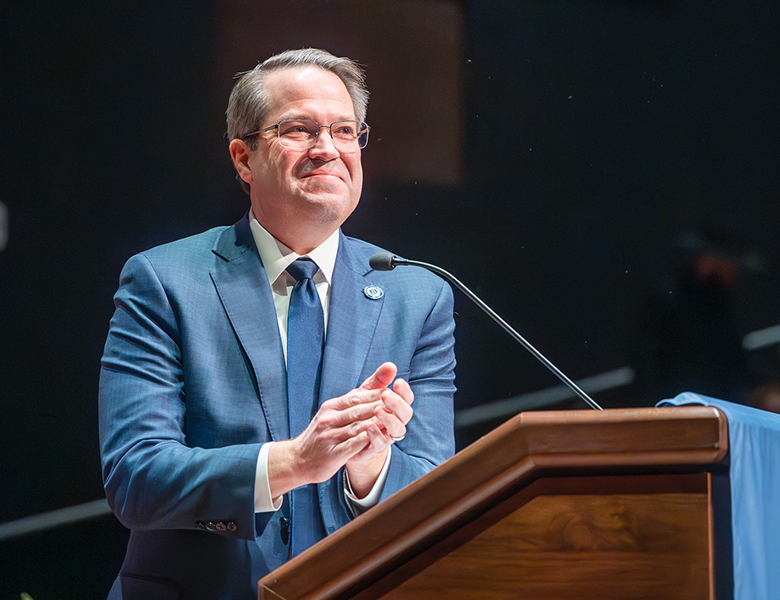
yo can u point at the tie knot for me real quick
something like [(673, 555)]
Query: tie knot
[(303, 268)]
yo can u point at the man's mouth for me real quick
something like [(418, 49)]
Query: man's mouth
[(321, 174)]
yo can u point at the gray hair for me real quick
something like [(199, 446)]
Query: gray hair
[(248, 101)]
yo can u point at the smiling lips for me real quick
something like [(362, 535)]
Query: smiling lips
[(328, 181), (322, 174)]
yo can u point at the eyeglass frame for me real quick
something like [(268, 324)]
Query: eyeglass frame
[(317, 136)]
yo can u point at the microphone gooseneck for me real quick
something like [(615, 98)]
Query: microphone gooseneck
[(385, 261)]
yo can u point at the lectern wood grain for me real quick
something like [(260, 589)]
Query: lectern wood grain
[(560, 545)]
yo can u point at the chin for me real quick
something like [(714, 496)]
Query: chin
[(324, 186), (333, 209)]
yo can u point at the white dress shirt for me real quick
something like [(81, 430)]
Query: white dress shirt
[(276, 258)]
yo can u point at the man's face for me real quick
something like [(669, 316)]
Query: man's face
[(297, 192)]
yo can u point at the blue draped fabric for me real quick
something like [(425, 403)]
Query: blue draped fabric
[(754, 474)]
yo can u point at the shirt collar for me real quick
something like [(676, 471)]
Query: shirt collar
[(277, 257)]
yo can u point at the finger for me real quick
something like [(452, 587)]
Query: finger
[(378, 442), (342, 424), (381, 378), (356, 428), (396, 405), (393, 416), (345, 418), (336, 438), (403, 389), (353, 446), (392, 425), (352, 398)]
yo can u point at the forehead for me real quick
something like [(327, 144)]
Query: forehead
[(304, 91)]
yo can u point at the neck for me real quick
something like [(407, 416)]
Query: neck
[(300, 240)]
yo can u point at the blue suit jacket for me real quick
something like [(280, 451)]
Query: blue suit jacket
[(193, 382)]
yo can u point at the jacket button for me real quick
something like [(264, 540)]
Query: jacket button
[(211, 526), (231, 526), (200, 524), (284, 530), (221, 526)]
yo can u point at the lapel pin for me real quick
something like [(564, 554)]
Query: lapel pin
[(373, 292)]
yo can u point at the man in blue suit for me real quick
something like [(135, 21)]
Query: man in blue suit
[(198, 420)]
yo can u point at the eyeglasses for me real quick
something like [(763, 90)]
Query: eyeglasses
[(297, 134)]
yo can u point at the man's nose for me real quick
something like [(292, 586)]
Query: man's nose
[(325, 144)]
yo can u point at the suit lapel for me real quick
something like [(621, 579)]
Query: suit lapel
[(352, 320), (245, 293)]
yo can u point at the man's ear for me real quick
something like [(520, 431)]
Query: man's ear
[(239, 152)]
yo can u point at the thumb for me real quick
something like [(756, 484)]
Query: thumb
[(381, 378)]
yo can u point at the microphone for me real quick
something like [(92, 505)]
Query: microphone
[(385, 261)]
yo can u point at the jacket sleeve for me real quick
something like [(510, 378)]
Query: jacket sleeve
[(430, 438), (152, 478)]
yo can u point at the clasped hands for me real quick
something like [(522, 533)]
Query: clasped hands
[(355, 430)]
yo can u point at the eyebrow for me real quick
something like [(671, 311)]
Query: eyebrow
[(301, 117)]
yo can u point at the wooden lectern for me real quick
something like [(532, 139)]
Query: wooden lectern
[(626, 503)]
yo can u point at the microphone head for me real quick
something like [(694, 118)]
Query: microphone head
[(383, 261)]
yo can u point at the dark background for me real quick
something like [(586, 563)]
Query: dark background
[(550, 153)]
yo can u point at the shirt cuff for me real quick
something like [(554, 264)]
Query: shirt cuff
[(263, 500), (360, 505)]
